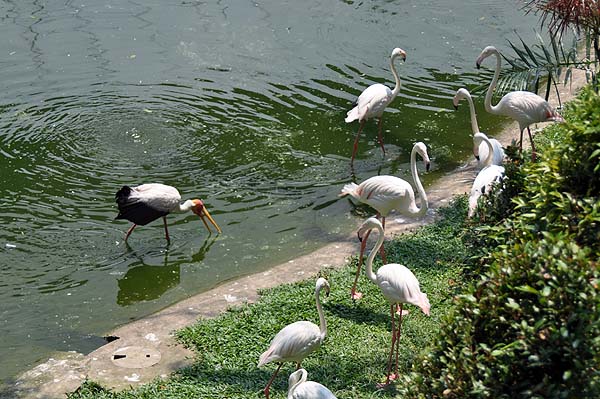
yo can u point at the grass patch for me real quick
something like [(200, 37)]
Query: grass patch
[(352, 359)]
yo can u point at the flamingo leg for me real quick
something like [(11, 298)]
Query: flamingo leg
[(130, 231), (166, 229), (357, 295), (398, 340), (268, 387), (532, 144), (521, 142), (389, 368), (379, 135), (355, 148)]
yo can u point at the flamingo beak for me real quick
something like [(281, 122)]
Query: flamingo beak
[(204, 212), (455, 107), (477, 157), (427, 166), (359, 236)]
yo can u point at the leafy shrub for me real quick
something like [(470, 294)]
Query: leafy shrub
[(530, 325)]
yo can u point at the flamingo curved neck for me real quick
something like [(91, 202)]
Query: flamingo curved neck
[(322, 322), (493, 109), (378, 244), (417, 212), (396, 89), (488, 160), (297, 383), (474, 124)]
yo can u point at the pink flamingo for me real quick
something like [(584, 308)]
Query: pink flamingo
[(299, 388), (297, 340), (385, 193), (398, 285), (522, 106), (372, 102)]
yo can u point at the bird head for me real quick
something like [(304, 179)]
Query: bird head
[(489, 50), (199, 209), (367, 225), (460, 94), (322, 283), (553, 116), (421, 149), (398, 52)]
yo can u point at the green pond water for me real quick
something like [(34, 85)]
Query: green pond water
[(240, 103)]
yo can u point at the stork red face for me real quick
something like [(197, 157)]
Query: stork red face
[(200, 210)]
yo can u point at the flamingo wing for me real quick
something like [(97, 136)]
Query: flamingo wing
[(312, 390), (385, 193), (399, 285), (293, 343), (525, 107), (371, 103)]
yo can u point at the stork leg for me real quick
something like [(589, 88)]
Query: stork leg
[(268, 387), (379, 135), (363, 244), (532, 144), (166, 229), (355, 148), (130, 231)]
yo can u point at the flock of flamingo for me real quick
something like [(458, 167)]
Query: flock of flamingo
[(148, 202)]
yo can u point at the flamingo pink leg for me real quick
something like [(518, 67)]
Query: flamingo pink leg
[(532, 144), (389, 368), (398, 338), (166, 229), (130, 231), (355, 148), (380, 137), (268, 387)]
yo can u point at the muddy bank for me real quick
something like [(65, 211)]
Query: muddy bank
[(145, 349)]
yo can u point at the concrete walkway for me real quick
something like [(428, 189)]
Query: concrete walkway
[(146, 348)]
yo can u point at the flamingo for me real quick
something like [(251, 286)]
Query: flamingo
[(398, 285), (522, 106), (385, 193), (480, 151), (487, 177), (297, 340), (147, 202), (299, 388), (372, 102)]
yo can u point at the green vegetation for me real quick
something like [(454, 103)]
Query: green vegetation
[(530, 325), (514, 294)]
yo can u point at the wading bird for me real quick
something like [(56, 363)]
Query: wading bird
[(398, 285), (372, 102), (299, 388), (147, 202), (480, 151), (522, 106), (487, 177), (297, 340), (385, 193)]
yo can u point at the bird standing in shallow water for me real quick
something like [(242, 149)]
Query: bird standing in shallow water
[(398, 285), (297, 340), (524, 107), (372, 102), (147, 202), (386, 193), (299, 388)]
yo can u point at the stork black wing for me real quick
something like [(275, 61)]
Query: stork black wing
[(135, 210)]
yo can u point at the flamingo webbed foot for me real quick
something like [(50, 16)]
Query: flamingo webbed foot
[(356, 295)]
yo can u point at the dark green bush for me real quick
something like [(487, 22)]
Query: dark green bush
[(530, 326)]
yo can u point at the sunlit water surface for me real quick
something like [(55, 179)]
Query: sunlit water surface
[(239, 103)]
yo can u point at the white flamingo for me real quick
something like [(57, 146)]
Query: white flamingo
[(487, 177), (386, 193), (373, 100), (398, 285), (297, 340), (480, 151), (147, 202), (299, 388), (523, 106)]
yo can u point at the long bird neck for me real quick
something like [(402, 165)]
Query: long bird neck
[(396, 89), (488, 96), (301, 380), (490, 156), (378, 244), (418, 212), (184, 207), (474, 124), (322, 322)]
